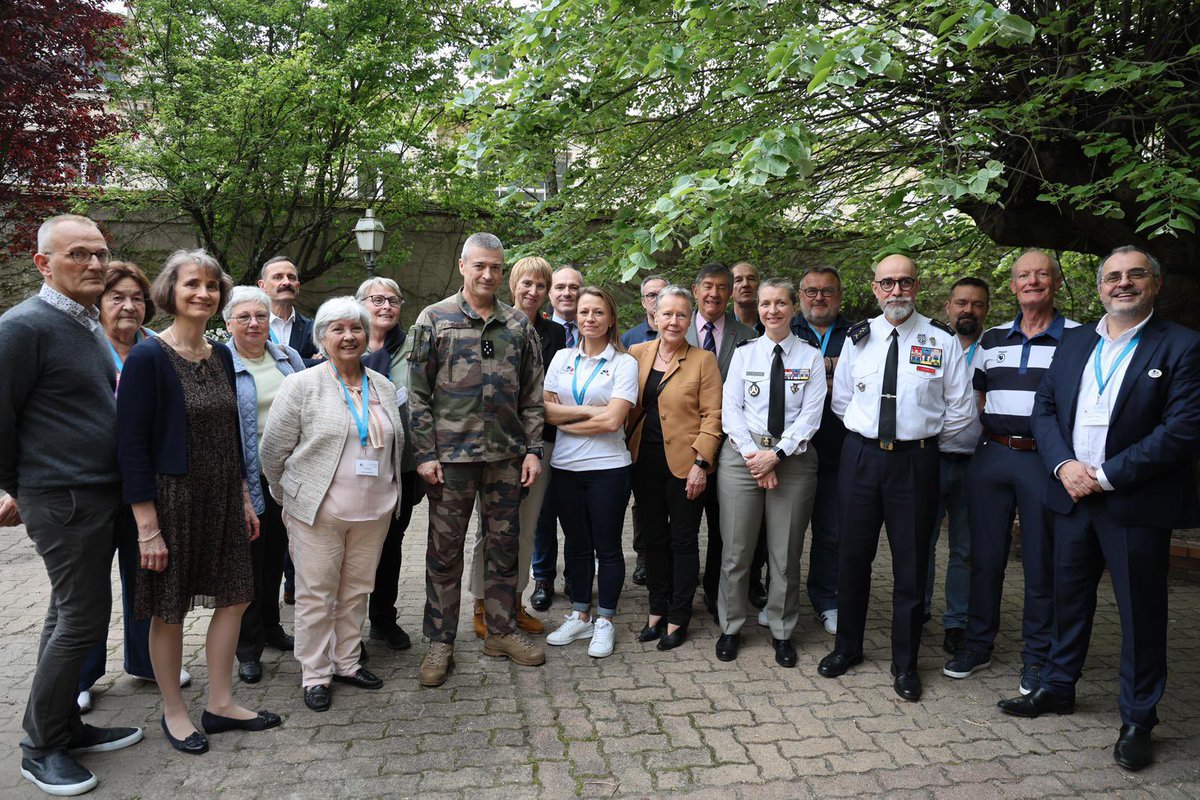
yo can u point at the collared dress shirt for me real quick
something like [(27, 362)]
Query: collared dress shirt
[(965, 442), (282, 328), (933, 396), (747, 394), (87, 317), (718, 330)]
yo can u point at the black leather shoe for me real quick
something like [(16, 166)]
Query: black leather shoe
[(727, 646), (395, 637), (907, 684), (58, 774), (1132, 750), (543, 595), (670, 641), (639, 573), (653, 632), (836, 664), (955, 641), (250, 671), (1039, 701), (317, 697), (757, 595), (363, 679), (214, 723), (280, 640), (195, 744), (785, 652)]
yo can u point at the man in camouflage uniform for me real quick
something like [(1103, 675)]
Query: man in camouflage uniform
[(475, 395)]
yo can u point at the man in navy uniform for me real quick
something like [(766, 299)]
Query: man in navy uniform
[(1117, 421)]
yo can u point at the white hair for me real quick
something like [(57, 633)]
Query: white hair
[(334, 309), (245, 294), (483, 241), (672, 291), (364, 288)]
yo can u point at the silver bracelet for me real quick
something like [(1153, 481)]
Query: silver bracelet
[(150, 538)]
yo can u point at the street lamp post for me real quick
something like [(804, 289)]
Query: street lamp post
[(370, 233)]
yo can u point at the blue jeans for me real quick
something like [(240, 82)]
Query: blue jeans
[(952, 500)]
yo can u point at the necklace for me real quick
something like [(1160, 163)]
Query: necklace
[(201, 354), (667, 357)]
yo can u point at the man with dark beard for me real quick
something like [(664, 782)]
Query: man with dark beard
[(901, 388), (966, 310)]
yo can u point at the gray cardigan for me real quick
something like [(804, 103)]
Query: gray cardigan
[(306, 433)]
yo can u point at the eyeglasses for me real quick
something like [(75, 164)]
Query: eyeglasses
[(650, 296), (378, 300), (811, 293), (1136, 274), (246, 319), (887, 284), (82, 256)]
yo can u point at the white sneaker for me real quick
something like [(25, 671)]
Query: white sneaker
[(185, 678), (572, 629), (84, 701), (763, 620), (602, 639), (829, 619)]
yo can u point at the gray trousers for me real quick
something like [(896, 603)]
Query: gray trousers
[(787, 509), (74, 532)]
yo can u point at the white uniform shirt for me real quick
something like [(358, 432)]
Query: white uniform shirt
[(746, 400), (933, 388), (571, 371), (966, 440), (1093, 410), (282, 328)]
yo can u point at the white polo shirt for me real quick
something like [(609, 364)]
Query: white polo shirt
[(574, 376)]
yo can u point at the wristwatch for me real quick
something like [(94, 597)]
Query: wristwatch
[(702, 464), (780, 454), (535, 451)]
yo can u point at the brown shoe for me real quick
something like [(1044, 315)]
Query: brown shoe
[(437, 664), (528, 622), (480, 621), (517, 646)]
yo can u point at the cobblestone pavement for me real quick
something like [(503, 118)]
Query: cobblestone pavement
[(638, 724)]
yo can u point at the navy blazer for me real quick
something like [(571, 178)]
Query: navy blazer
[(1154, 432), (151, 420), (301, 339)]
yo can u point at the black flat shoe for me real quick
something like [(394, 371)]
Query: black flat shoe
[(907, 684), (727, 646), (785, 652), (653, 632), (1039, 701), (250, 671), (670, 641), (1133, 750), (317, 697), (639, 574), (395, 637), (195, 744), (837, 664), (363, 679), (214, 723)]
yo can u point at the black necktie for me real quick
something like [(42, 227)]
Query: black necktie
[(887, 400), (710, 342), (775, 404)]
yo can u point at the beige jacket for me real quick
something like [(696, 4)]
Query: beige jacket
[(306, 432)]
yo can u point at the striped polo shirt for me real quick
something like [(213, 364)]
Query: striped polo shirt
[(1008, 369)]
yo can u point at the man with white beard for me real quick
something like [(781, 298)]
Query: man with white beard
[(901, 388)]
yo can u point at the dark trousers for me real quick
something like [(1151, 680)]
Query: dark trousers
[(823, 551), (592, 504), (899, 489), (1085, 542), (1001, 481), (712, 553), (670, 525), (73, 531), (545, 540), (137, 631), (266, 565), (382, 607)]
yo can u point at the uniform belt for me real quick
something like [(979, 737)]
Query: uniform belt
[(1014, 442), (764, 440), (956, 456), (912, 444)]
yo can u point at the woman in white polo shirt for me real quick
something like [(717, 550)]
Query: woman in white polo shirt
[(589, 391)]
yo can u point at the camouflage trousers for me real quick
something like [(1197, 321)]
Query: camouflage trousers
[(498, 483)]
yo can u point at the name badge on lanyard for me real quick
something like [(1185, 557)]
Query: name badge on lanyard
[(362, 466), (366, 466)]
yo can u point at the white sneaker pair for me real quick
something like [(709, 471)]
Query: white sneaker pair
[(575, 628)]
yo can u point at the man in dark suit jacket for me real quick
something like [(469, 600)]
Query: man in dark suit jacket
[(1117, 422), (280, 280)]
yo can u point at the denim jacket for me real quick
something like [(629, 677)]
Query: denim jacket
[(288, 361)]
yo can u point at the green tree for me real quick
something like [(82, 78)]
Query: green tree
[(952, 129), (270, 124)]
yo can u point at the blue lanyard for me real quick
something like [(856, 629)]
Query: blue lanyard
[(360, 420), (575, 390), (824, 340), (118, 362), (1102, 382), (971, 351), (274, 338)]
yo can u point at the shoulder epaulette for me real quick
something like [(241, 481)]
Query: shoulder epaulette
[(859, 332), (937, 323), (745, 341)]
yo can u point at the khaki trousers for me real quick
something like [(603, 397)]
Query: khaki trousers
[(787, 509), (335, 572)]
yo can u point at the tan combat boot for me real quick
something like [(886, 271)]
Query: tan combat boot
[(437, 663), (529, 623), (480, 621), (517, 646)]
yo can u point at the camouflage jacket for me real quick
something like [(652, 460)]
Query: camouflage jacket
[(475, 385)]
